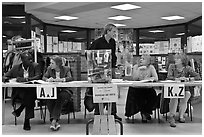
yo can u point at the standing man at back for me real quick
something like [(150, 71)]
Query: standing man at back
[(104, 43)]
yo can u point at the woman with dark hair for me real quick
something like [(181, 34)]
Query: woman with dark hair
[(56, 72), (180, 71), (141, 98)]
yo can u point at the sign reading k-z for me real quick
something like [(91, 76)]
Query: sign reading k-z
[(174, 91)]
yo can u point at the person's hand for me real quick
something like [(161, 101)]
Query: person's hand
[(21, 79), (184, 79), (50, 79), (5, 79), (59, 80), (142, 67), (181, 79)]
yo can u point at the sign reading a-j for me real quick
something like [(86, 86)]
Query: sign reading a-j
[(46, 92)]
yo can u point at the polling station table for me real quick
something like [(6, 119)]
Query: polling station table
[(76, 84)]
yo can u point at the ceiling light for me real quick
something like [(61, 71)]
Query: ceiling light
[(68, 31), (7, 22), (17, 17), (126, 7), (172, 18), (120, 18), (119, 25), (156, 31), (179, 34), (23, 22), (4, 36), (66, 17), (79, 38)]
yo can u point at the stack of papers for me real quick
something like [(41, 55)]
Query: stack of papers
[(117, 80), (168, 81)]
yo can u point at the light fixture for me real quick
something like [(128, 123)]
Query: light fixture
[(120, 18), (156, 31), (179, 34), (125, 7), (17, 17), (172, 17), (66, 17), (7, 22), (4, 36), (119, 25), (79, 38), (68, 31), (23, 22)]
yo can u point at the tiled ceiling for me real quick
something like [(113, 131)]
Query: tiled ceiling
[(95, 14)]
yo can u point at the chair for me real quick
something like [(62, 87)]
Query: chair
[(165, 107), (88, 101), (40, 103), (67, 109), (155, 109)]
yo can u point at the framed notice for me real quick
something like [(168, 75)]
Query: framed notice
[(174, 90), (46, 92), (105, 93)]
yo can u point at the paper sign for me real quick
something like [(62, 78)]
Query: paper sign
[(174, 90), (46, 92), (105, 93)]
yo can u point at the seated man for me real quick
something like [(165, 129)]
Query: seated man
[(26, 71)]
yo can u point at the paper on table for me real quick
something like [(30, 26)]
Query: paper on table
[(13, 81), (117, 80), (78, 81), (198, 81), (140, 81), (167, 81)]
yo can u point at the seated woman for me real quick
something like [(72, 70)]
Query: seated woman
[(56, 72), (180, 71), (142, 99)]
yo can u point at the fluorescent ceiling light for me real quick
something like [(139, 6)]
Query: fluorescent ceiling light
[(23, 22), (156, 31), (79, 38), (41, 30), (17, 17), (4, 36), (7, 22), (119, 25), (126, 7), (66, 17), (120, 18), (179, 34), (68, 31), (172, 18)]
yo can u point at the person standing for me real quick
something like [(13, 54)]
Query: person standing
[(107, 42), (24, 72)]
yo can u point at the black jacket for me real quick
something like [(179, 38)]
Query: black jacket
[(101, 43)]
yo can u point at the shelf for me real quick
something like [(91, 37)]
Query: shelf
[(51, 53), (23, 41), (194, 53)]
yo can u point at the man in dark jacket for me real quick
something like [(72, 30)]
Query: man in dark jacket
[(24, 72), (104, 43)]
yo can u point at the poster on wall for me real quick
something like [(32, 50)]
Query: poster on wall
[(175, 45)]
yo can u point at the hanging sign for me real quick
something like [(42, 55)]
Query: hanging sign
[(46, 92), (105, 93), (174, 90)]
